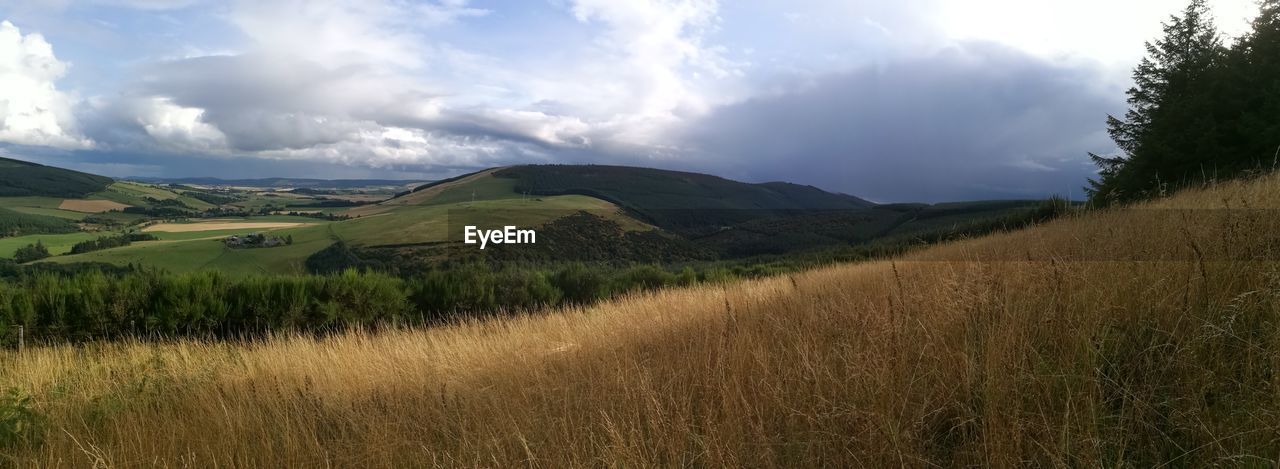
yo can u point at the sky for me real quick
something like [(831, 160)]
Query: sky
[(890, 100)]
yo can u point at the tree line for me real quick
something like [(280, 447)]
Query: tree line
[(1199, 110), (77, 305)]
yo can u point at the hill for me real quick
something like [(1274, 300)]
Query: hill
[(21, 179), (1113, 338), (267, 183), (610, 214), (701, 217), (674, 199)]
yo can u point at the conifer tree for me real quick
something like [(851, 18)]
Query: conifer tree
[(1164, 100)]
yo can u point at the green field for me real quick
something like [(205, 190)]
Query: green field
[(428, 223), (487, 188), (31, 201), (198, 250), (51, 212), (191, 251), (132, 193), (57, 243)]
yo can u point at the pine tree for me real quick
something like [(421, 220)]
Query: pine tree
[(1257, 60), (1162, 103)]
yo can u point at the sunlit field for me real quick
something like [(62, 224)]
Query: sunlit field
[(1124, 337)]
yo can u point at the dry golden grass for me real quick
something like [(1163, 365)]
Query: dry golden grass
[(1134, 337)]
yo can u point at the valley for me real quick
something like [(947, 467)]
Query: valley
[(721, 218)]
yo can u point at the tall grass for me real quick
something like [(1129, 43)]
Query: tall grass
[(1134, 337)]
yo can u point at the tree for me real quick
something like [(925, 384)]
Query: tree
[(1164, 102), (1255, 61), (30, 253)]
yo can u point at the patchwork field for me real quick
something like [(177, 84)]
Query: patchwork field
[(200, 247)]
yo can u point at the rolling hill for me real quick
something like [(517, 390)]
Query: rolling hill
[(701, 217), (23, 179), (585, 213), (268, 183)]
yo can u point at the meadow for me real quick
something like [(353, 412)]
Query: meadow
[(1124, 337)]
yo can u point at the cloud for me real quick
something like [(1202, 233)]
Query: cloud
[(32, 110), (365, 82), (178, 128), (61, 5), (977, 120), (910, 100), (150, 4)]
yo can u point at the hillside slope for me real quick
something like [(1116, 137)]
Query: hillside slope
[(21, 179), (674, 199), (657, 189), (1117, 338), (684, 217)]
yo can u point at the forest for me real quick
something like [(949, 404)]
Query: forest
[(13, 223), (1200, 110)]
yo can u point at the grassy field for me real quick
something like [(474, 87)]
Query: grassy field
[(430, 223), (132, 193), (56, 243), (35, 202), (196, 250), (52, 212), (1118, 338), (185, 252)]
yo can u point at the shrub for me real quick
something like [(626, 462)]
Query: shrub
[(30, 253), (579, 285), (19, 422), (645, 277)]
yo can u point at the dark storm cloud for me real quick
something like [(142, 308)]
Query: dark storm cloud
[(973, 121)]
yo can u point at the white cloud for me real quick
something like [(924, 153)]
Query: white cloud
[(177, 127), (652, 49), (32, 110), (387, 147), (339, 80), (386, 33)]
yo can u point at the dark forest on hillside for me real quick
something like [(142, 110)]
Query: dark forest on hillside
[(20, 179)]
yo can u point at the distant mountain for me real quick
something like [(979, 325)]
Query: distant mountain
[(282, 182), (21, 179), (660, 189), (674, 199)]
